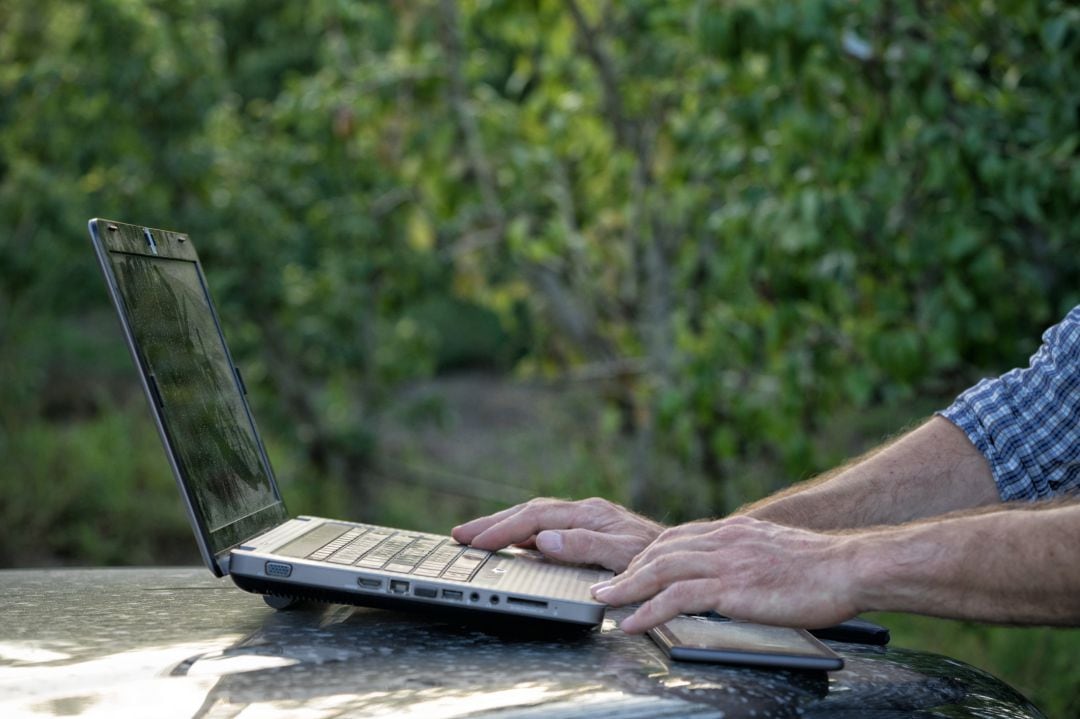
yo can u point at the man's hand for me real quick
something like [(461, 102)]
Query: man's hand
[(742, 568), (590, 531)]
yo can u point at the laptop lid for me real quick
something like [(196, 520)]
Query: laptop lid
[(196, 393)]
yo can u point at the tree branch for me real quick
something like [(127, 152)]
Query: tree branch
[(454, 47), (625, 131)]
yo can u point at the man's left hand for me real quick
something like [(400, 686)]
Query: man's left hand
[(742, 568)]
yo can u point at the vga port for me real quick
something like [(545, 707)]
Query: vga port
[(278, 569)]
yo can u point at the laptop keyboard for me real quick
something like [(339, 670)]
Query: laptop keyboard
[(392, 551)]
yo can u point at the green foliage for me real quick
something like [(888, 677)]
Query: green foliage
[(90, 492), (779, 208), (739, 216)]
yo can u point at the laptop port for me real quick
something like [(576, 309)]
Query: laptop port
[(278, 569), (368, 583), (399, 587), (530, 603), (426, 592), (452, 594)]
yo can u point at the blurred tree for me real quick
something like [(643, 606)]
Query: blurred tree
[(736, 217)]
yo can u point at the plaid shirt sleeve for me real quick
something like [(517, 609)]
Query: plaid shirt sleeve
[(1027, 421)]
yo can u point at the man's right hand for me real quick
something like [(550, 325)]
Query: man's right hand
[(589, 531)]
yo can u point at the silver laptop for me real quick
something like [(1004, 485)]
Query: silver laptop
[(197, 397)]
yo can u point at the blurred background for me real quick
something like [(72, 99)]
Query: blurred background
[(677, 253)]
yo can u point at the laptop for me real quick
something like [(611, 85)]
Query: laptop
[(198, 401)]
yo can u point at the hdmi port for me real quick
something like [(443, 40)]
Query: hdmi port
[(531, 603)]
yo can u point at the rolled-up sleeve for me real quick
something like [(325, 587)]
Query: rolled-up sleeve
[(1027, 421)]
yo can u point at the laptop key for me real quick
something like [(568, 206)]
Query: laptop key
[(372, 562), (330, 547), (385, 552), (466, 564), (423, 571)]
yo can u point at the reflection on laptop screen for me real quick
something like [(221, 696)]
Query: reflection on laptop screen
[(211, 433)]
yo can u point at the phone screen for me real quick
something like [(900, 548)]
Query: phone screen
[(737, 642)]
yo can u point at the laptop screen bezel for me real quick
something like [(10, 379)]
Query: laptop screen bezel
[(109, 236)]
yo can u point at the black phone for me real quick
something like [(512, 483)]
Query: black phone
[(854, 631), (698, 639)]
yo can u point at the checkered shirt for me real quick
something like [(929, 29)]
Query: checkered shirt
[(1027, 421)]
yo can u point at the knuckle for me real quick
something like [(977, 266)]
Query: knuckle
[(675, 534), (734, 527), (724, 533), (681, 593), (670, 533), (577, 539), (539, 505), (644, 558), (653, 575), (589, 511)]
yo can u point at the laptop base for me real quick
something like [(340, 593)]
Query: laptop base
[(282, 596)]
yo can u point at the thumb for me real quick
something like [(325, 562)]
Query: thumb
[(584, 546)]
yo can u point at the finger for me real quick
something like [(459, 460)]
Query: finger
[(685, 597), (464, 533), (700, 535), (584, 546), (647, 581), (669, 538), (529, 543), (531, 519), (660, 555)]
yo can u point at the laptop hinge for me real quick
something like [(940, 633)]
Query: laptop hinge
[(222, 561)]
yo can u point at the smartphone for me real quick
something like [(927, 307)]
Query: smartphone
[(697, 639), (854, 631)]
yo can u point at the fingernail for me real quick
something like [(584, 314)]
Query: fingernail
[(602, 592), (629, 625), (549, 542)]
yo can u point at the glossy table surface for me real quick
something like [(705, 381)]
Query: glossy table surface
[(179, 643)]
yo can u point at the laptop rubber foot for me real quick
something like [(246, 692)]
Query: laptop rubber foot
[(281, 603)]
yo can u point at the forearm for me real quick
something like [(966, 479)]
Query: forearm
[(1015, 566), (929, 471)]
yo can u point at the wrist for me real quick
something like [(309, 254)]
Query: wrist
[(884, 568)]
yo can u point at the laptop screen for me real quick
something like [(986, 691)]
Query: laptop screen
[(210, 430)]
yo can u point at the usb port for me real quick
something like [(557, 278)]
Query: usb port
[(426, 592), (368, 583), (453, 594), (399, 587)]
